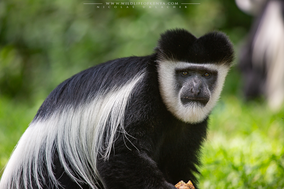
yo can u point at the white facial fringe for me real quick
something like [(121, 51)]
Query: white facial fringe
[(194, 112), (268, 46), (77, 134)]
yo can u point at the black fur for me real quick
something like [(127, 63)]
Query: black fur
[(180, 45), (160, 150), (83, 87), (163, 148)]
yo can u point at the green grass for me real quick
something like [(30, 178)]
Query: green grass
[(244, 148)]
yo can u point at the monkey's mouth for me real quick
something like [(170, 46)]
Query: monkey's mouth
[(199, 100)]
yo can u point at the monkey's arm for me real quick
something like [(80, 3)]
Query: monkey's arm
[(132, 170)]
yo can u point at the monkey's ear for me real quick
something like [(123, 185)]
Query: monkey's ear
[(174, 44)]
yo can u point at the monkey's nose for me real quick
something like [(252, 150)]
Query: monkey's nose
[(195, 91)]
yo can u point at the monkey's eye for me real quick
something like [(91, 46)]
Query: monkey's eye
[(184, 73), (207, 74)]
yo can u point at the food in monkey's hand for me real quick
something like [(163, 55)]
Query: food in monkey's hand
[(183, 185)]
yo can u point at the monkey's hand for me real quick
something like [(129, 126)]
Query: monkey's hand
[(183, 185)]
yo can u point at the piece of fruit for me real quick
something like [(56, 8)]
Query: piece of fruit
[(183, 185)]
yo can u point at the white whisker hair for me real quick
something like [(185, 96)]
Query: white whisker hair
[(192, 113)]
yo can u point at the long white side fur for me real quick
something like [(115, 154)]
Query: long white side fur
[(77, 134), (268, 47), (194, 113)]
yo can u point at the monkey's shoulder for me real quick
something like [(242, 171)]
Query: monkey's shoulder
[(87, 84)]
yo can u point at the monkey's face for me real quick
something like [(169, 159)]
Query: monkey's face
[(194, 84), (189, 90)]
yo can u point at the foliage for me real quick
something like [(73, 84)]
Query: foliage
[(44, 42), (244, 147)]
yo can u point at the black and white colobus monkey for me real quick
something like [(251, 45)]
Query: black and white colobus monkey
[(136, 122), (262, 57)]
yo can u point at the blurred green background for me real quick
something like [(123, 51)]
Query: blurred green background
[(42, 43)]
